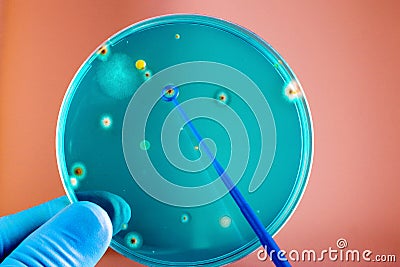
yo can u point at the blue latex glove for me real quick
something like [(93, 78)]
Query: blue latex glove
[(58, 233)]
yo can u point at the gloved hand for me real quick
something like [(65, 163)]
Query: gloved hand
[(58, 233)]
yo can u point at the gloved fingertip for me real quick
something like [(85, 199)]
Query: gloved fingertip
[(116, 207), (91, 214), (78, 235)]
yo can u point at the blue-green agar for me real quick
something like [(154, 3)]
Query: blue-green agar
[(106, 83)]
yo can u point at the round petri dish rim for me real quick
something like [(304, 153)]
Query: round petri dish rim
[(287, 75)]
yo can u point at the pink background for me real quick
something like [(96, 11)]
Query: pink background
[(345, 53)]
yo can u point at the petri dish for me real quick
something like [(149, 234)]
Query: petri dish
[(122, 129)]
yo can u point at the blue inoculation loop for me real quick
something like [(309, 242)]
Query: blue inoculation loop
[(135, 143), (265, 238), (227, 118), (147, 96)]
